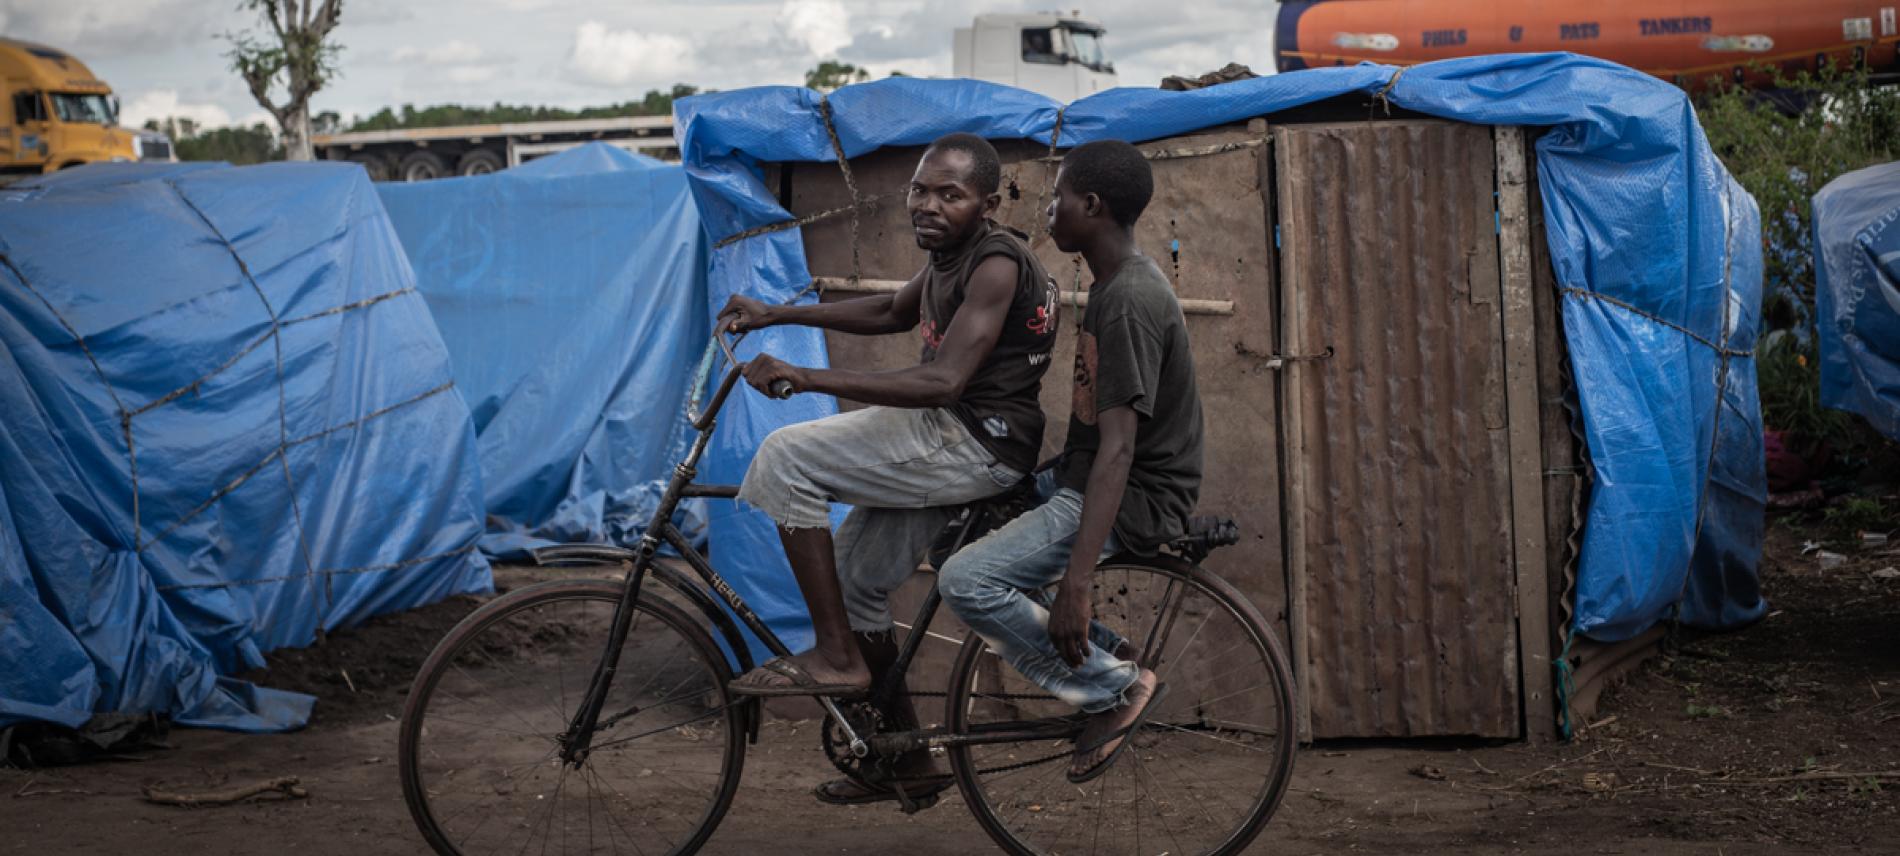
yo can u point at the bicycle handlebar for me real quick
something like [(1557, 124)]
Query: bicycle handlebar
[(781, 389), (703, 420)]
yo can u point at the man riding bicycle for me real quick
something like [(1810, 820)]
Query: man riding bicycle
[(1130, 471), (961, 425)]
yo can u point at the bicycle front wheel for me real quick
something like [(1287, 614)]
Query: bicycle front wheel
[(1202, 776), (481, 733)]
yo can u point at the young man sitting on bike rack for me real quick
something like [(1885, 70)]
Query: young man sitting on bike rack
[(1130, 472), (962, 425)]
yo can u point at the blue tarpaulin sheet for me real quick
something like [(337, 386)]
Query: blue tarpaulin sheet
[(229, 424), (1857, 295), (1656, 249), (570, 291)]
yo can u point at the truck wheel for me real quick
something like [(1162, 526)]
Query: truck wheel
[(421, 165), (478, 162), (375, 165)]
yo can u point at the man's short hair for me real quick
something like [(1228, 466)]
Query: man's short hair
[(1114, 171), (986, 169)]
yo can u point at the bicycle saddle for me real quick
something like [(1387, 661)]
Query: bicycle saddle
[(1204, 535)]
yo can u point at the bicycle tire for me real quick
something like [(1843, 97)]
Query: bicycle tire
[(1007, 825), (655, 618)]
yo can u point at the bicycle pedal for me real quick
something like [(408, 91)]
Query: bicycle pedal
[(913, 806)]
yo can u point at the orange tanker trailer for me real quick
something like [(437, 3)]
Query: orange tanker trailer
[(1683, 41)]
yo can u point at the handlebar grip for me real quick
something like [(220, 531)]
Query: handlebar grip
[(782, 389)]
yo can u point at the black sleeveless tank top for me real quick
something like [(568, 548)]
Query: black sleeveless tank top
[(1000, 404)]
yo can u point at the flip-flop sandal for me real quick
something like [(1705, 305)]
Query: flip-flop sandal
[(1124, 736), (919, 790), (801, 683)]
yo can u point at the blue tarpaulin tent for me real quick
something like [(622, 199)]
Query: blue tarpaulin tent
[(571, 291), (571, 294), (1656, 250), (1857, 244), (229, 423)]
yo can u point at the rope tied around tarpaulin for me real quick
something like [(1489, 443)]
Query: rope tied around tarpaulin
[(1566, 688), (1041, 223), (856, 208), (850, 183), (128, 415), (1383, 96)]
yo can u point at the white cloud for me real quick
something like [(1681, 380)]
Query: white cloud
[(375, 15), (452, 52), (469, 73), (619, 57), (93, 28), (162, 104), (820, 25)]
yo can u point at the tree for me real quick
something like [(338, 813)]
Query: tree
[(326, 122), (831, 75), (293, 56), (175, 127), (255, 144), (655, 103)]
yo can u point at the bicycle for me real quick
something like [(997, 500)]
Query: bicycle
[(502, 750)]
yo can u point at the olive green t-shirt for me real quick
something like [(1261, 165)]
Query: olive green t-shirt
[(1133, 352)]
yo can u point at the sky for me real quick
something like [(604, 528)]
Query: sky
[(165, 57)]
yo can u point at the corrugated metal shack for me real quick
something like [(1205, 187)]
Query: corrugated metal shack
[(1383, 377)]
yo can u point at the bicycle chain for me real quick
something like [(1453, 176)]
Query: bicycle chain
[(1006, 768)]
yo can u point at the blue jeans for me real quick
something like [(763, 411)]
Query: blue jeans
[(997, 587)]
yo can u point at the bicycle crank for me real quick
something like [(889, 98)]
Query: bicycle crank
[(859, 748)]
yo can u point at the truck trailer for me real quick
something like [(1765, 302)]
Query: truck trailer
[(1692, 43), (419, 154)]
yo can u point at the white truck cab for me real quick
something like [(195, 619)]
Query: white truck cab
[(1058, 55)]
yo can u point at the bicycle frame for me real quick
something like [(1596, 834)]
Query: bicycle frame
[(577, 741)]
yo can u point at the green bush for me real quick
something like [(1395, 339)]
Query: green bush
[(1784, 144), (255, 144)]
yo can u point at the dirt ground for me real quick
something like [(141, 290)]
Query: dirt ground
[(1782, 738)]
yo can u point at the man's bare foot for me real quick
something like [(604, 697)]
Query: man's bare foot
[(809, 673), (1102, 738)]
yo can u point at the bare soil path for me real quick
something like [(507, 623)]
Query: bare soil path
[(1770, 740)]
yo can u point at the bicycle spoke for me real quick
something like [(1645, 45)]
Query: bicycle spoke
[(636, 710), (610, 815), (619, 740), (1241, 746), (466, 749), (440, 718), (590, 821), (1165, 826), (1225, 717), (601, 774), (554, 808), (1101, 796), (1181, 788), (560, 677), (507, 773), (517, 716)]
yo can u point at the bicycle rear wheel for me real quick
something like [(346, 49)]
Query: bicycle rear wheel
[(1205, 773), (481, 733)]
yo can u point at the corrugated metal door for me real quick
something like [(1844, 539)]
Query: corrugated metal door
[(1399, 516)]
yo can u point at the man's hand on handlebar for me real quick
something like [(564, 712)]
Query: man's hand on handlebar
[(744, 313), (774, 377)]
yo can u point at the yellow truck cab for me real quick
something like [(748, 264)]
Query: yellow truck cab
[(55, 114)]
